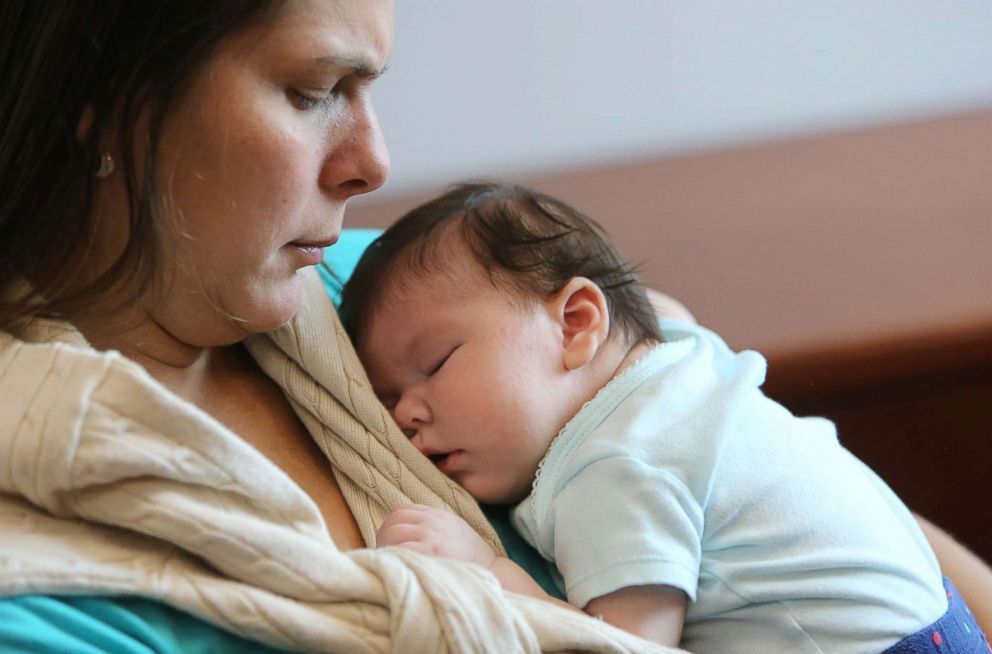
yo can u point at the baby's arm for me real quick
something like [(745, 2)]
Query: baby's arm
[(438, 532), (654, 613)]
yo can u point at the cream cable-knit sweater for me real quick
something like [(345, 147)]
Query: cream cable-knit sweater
[(110, 484)]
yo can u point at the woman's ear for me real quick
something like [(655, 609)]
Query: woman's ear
[(85, 124), (581, 309)]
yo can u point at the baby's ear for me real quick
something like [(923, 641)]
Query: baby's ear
[(582, 311)]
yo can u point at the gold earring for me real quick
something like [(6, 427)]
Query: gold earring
[(105, 166)]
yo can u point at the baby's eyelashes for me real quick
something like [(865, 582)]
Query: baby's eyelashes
[(432, 369)]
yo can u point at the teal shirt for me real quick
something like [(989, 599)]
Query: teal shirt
[(41, 624)]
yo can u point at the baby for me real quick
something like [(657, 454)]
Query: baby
[(517, 350)]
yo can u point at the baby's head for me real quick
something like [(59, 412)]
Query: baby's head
[(485, 318)]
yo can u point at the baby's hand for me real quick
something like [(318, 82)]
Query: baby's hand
[(442, 533), (436, 532)]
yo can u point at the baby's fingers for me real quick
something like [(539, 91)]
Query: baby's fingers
[(416, 546), (394, 534), (408, 513)]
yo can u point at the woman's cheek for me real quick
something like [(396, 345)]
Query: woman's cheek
[(275, 177)]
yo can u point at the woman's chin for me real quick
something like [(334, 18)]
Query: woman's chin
[(273, 310), (259, 308), (232, 314)]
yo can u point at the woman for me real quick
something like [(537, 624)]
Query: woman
[(166, 179), (169, 171)]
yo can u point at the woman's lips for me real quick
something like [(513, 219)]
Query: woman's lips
[(309, 255), (311, 252), (326, 243)]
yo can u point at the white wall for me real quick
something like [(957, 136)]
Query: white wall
[(500, 87)]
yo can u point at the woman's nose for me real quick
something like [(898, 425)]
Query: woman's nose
[(358, 161)]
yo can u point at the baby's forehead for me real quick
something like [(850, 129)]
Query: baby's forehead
[(413, 310), (444, 265), (440, 273), (430, 287)]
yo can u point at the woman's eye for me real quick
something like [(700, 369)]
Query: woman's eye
[(303, 101), (307, 101)]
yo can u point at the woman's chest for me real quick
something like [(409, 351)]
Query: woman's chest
[(253, 407)]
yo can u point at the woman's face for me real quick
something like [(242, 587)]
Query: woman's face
[(258, 159)]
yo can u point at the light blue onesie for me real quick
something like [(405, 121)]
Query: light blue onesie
[(681, 472)]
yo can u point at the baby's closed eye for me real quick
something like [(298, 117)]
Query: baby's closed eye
[(440, 361)]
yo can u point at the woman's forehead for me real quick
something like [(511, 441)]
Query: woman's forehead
[(352, 34)]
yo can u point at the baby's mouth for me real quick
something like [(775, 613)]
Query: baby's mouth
[(446, 462)]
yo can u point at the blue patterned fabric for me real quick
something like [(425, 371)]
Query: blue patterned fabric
[(954, 633)]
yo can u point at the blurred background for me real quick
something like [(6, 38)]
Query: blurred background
[(813, 180), (519, 86)]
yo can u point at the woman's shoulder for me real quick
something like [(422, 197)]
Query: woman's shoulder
[(79, 624)]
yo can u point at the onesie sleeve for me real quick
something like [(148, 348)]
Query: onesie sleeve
[(619, 522)]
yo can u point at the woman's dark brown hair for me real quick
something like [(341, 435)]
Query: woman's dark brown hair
[(112, 60), (529, 243)]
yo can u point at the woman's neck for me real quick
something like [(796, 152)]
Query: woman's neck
[(178, 365)]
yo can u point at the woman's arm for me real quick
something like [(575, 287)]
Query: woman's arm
[(969, 574), (665, 306)]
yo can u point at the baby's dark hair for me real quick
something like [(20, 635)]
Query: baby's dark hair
[(528, 243)]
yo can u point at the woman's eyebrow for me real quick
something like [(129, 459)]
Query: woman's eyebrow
[(359, 66)]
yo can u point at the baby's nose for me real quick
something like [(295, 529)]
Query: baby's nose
[(411, 413)]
